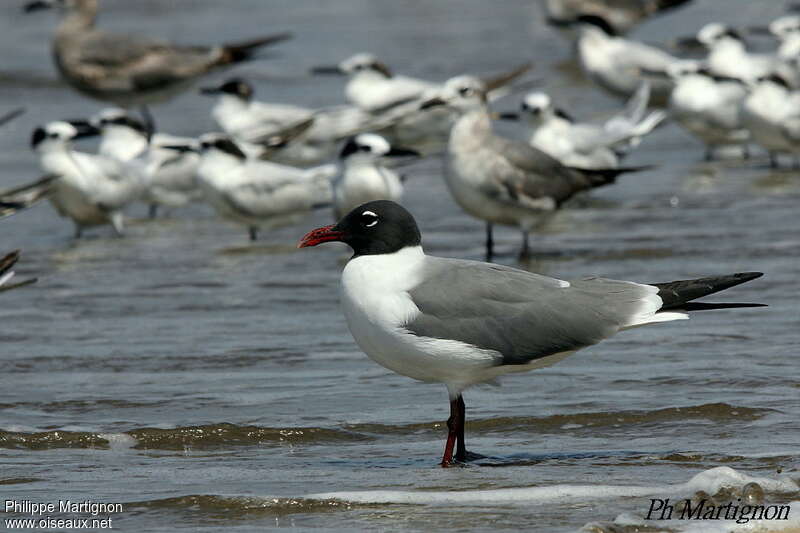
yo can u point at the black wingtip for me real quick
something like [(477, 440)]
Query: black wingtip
[(703, 306)]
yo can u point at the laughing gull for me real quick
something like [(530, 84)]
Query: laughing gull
[(499, 180), (621, 15), (91, 189), (708, 106), (130, 69), (170, 173), (771, 112), (462, 323), (584, 144), (364, 177), (619, 65), (258, 194), (6, 264), (24, 196)]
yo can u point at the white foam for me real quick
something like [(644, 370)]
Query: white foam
[(119, 441), (710, 481)]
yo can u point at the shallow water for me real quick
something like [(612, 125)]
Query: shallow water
[(207, 383)]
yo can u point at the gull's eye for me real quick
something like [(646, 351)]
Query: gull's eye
[(465, 91), (369, 219)]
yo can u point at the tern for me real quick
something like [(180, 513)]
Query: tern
[(708, 106), (258, 194), (728, 55), (771, 112), (583, 144), (170, 173), (91, 189), (622, 15), (462, 323), (6, 274), (364, 177), (620, 65), (373, 87), (127, 69), (250, 122), (499, 180)]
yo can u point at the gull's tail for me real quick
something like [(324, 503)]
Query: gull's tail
[(597, 177), (6, 263), (678, 295), (244, 50), (664, 5), (19, 198)]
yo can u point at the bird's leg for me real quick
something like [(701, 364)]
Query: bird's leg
[(453, 431), (525, 252), (746, 152), (461, 446), (773, 160), (253, 233), (149, 121), (489, 242), (78, 231), (710, 152), (152, 211)]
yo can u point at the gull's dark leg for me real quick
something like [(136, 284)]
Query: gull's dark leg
[(746, 151), (773, 160), (78, 231), (453, 429), (489, 242), (253, 231), (525, 252), (149, 121), (709, 152), (152, 212), (461, 447)]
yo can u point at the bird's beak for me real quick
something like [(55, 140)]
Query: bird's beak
[(758, 30), (85, 128), (182, 148), (433, 102), (37, 5), (11, 115), (320, 235), (402, 152), (210, 91), (688, 44), (327, 70), (506, 115)]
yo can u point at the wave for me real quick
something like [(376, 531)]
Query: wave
[(225, 434)]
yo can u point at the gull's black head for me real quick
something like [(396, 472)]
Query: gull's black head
[(379, 227), (598, 22)]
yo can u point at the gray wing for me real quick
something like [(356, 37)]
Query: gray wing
[(131, 62), (521, 315), (531, 174)]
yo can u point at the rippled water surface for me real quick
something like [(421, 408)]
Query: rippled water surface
[(207, 383)]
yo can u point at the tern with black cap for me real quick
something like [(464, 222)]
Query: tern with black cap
[(461, 323)]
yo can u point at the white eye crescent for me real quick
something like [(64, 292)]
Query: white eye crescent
[(370, 214)]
